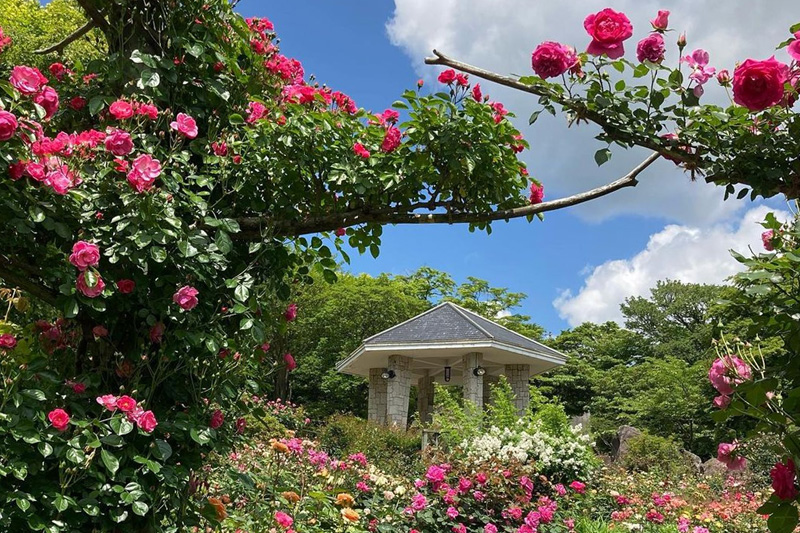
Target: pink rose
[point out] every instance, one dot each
(109, 401)
(767, 238)
(390, 116)
(8, 341)
(126, 286)
(255, 111)
(283, 519)
(783, 475)
(241, 424)
(578, 487)
(537, 193)
(552, 59)
(391, 140)
(291, 312)
(722, 401)
(340, 232)
(794, 47)
(186, 297)
(48, 99)
(758, 85)
(143, 172)
(608, 29)
(119, 142)
(724, 77)
(291, 364)
(35, 170)
(126, 404)
(447, 77)
(726, 453)
(147, 110)
(219, 148)
(651, 48)
(58, 70)
(8, 125)
(59, 418)
(84, 255)
(216, 420)
(93, 291)
(490, 528)
(185, 125)
(661, 21)
(27, 80)
(728, 371)
(61, 179)
(147, 421)
(121, 110)
(359, 149)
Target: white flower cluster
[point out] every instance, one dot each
(567, 455)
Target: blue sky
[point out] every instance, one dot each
(346, 45)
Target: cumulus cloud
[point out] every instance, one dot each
(500, 35)
(684, 253)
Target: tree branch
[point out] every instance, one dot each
(72, 37)
(26, 283)
(252, 226)
(94, 14)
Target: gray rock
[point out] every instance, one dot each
(714, 467)
(694, 461)
(619, 447)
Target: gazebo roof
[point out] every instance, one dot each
(440, 336)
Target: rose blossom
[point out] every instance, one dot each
(86, 290)
(59, 418)
(651, 48)
(291, 312)
(359, 150)
(61, 179)
(84, 255)
(291, 364)
(608, 29)
(7, 341)
(766, 239)
(100, 331)
(77, 103)
(727, 371)
(551, 59)
(477, 95)
(794, 47)
(391, 140)
(758, 85)
(726, 453)
(109, 401)
(186, 297)
(537, 193)
(447, 76)
(78, 388)
(48, 99)
(783, 475)
(722, 401)
(121, 110)
(283, 519)
(157, 333)
(185, 125)
(126, 404)
(27, 80)
(16, 170)
(143, 173)
(217, 419)
(578, 487)
(119, 142)
(147, 110)
(661, 21)
(8, 125)
(126, 286)
(147, 421)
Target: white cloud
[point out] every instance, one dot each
(684, 253)
(499, 35)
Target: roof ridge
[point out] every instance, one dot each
(460, 310)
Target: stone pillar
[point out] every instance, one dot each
(425, 398)
(488, 382)
(376, 408)
(473, 385)
(519, 377)
(397, 391)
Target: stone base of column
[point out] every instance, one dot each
(425, 398)
(519, 377)
(376, 406)
(473, 385)
(397, 391)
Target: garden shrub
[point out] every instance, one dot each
(652, 453)
(396, 451)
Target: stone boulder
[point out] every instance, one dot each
(619, 446)
(694, 461)
(714, 467)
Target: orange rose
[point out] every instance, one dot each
(291, 496)
(278, 446)
(219, 508)
(350, 514)
(345, 500)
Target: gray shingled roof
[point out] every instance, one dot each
(449, 322)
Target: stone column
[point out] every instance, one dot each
(519, 377)
(488, 381)
(425, 397)
(473, 385)
(397, 391)
(376, 408)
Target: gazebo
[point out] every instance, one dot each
(449, 345)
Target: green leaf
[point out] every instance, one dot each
(245, 323)
(96, 104)
(60, 503)
(121, 425)
(111, 462)
(36, 394)
(784, 519)
(140, 508)
(200, 437)
(45, 449)
(75, 455)
(235, 119)
(534, 116)
(149, 78)
(602, 156)
(23, 504)
(159, 254)
(162, 450)
(223, 242)
(242, 293)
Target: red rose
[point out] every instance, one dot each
(551, 59)
(7, 341)
(16, 170)
(59, 418)
(100, 331)
(8, 125)
(126, 286)
(126, 403)
(58, 70)
(217, 419)
(608, 28)
(79, 388)
(537, 193)
(77, 103)
(448, 76)
(758, 85)
(121, 110)
(783, 475)
(157, 333)
(359, 149)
